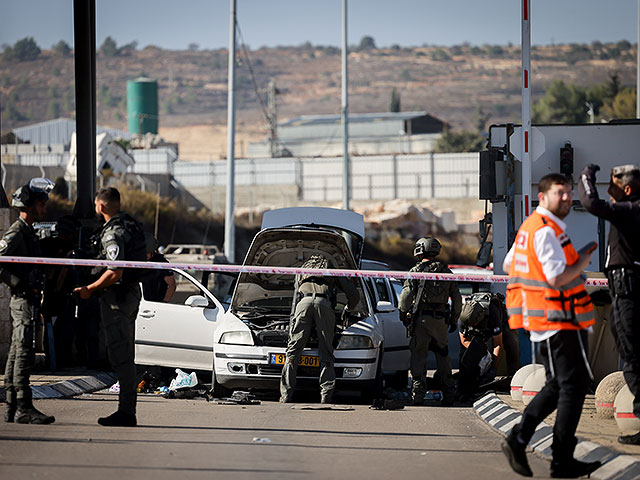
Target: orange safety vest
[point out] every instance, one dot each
(534, 304)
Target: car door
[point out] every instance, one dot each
(396, 343)
(178, 333)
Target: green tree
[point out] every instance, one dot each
(23, 50)
(109, 48)
(394, 104)
(53, 109)
(62, 48)
(457, 142)
(367, 43)
(439, 55)
(561, 104)
(67, 100)
(623, 105)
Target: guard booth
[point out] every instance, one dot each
(565, 149)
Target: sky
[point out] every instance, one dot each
(173, 24)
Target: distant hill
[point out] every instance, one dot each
(450, 83)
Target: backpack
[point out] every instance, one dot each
(135, 248)
(476, 308)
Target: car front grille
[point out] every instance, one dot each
(301, 372)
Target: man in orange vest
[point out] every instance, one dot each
(546, 296)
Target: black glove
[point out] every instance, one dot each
(452, 327)
(405, 318)
(592, 167)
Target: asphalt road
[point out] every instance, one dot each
(196, 439)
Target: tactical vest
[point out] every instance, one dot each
(534, 304)
(135, 248)
(476, 308)
(317, 262)
(434, 291)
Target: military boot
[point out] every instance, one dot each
(10, 409)
(27, 413)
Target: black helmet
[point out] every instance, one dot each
(427, 246)
(37, 189)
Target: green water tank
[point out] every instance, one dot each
(142, 105)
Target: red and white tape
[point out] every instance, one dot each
(76, 262)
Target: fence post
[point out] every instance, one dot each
(370, 187)
(433, 174)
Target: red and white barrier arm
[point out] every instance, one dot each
(76, 262)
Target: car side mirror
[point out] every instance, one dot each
(197, 301)
(385, 307)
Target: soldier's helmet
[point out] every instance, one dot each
(28, 194)
(427, 246)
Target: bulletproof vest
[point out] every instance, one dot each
(434, 291)
(135, 248)
(315, 261)
(29, 246)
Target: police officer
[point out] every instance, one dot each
(26, 283)
(315, 308)
(157, 285)
(121, 238)
(622, 265)
(423, 308)
(480, 328)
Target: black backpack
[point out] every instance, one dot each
(476, 308)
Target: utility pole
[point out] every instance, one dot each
(229, 225)
(526, 108)
(344, 110)
(272, 117)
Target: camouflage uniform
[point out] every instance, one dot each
(429, 326)
(26, 282)
(119, 308)
(315, 308)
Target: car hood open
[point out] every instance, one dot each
(287, 247)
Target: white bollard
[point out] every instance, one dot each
(606, 393)
(533, 384)
(623, 405)
(518, 380)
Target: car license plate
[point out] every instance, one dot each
(305, 360)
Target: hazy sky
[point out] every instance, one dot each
(174, 24)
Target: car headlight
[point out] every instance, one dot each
(237, 338)
(350, 342)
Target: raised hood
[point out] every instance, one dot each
(286, 247)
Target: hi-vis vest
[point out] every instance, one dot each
(531, 302)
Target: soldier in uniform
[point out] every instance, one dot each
(429, 320)
(26, 283)
(119, 296)
(315, 308)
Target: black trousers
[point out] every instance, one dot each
(567, 383)
(625, 326)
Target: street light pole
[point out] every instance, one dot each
(344, 110)
(229, 225)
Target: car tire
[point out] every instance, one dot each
(374, 388)
(217, 389)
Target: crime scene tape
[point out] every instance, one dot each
(333, 272)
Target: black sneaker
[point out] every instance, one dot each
(517, 456)
(573, 468)
(119, 419)
(630, 439)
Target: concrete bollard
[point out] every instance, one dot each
(518, 380)
(623, 405)
(533, 384)
(606, 393)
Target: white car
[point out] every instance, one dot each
(250, 341)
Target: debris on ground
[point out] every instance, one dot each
(323, 406)
(239, 398)
(261, 440)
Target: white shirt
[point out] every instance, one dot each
(551, 256)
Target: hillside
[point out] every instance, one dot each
(450, 83)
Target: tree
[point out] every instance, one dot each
(23, 50)
(622, 106)
(367, 43)
(394, 104)
(109, 48)
(561, 104)
(53, 110)
(439, 55)
(62, 48)
(193, 47)
(457, 142)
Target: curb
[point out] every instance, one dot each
(501, 417)
(71, 388)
